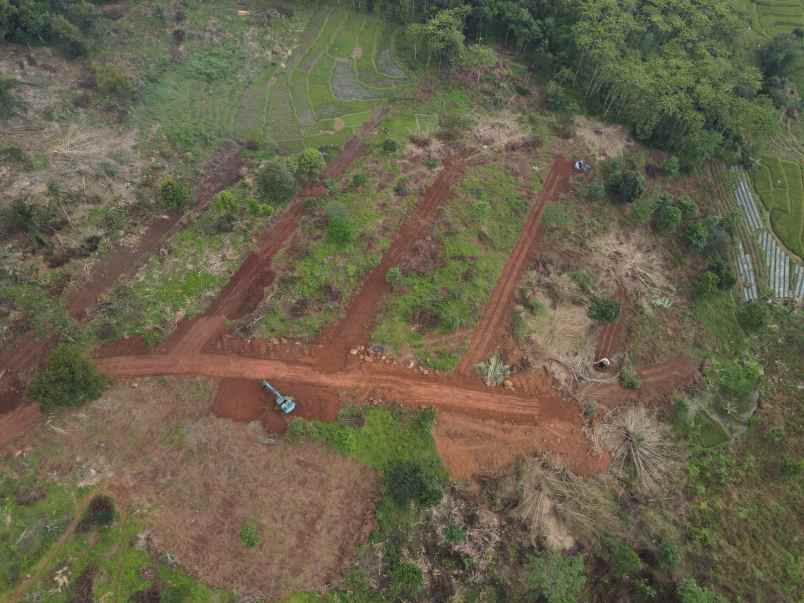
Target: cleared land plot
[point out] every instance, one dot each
(201, 481)
(196, 263)
(441, 288)
(781, 189)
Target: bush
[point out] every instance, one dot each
(690, 592)
(624, 179)
(668, 216)
(407, 582)
(9, 103)
(407, 481)
(557, 100)
(688, 207)
(622, 557)
(394, 276)
(68, 379)
(556, 577)
(671, 166)
(111, 81)
(68, 36)
(389, 145)
(99, 513)
(358, 180)
(628, 377)
(340, 229)
(309, 164)
(706, 284)
(595, 189)
(739, 377)
(752, 316)
(275, 183)
(604, 309)
(697, 236)
(174, 194)
(643, 209)
(668, 556)
(249, 535)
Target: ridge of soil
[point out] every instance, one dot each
(497, 313)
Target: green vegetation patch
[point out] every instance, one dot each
(198, 261)
(338, 245)
(473, 239)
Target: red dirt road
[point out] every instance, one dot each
(497, 312)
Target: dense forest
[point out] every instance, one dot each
(674, 71)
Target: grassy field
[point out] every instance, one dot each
(474, 236)
(781, 189)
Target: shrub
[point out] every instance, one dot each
(557, 100)
(688, 207)
(556, 577)
(68, 36)
(624, 179)
(68, 379)
(402, 188)
(389, 145)
(739, 377)
(9, 103)
(407, 582)
(622, 557)
(706, 284)
(275, 183)
(173, 193)
(309, 164)
(14, 154)
(394, 276)
(668, 216)
(643, 209)
(454, 534)
(697, 236)
(752, 316)
(595, 189)
(99, 513)
(249, 535)
(690, 592)
(111, 81)
(628, 377)
(671, 166)
(726, 279)
(604, 309)
(358, 180)
(407, 481)
(340, 229)
(668, 555)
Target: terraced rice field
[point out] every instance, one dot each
(781, 190)
(330, 83)
(309, 80)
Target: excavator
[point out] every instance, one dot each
(285, 403)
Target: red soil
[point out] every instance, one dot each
(495, 318)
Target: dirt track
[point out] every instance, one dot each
(497, 312)
(606, 343)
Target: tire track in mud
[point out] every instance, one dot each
(496, 314)
(355, 327)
